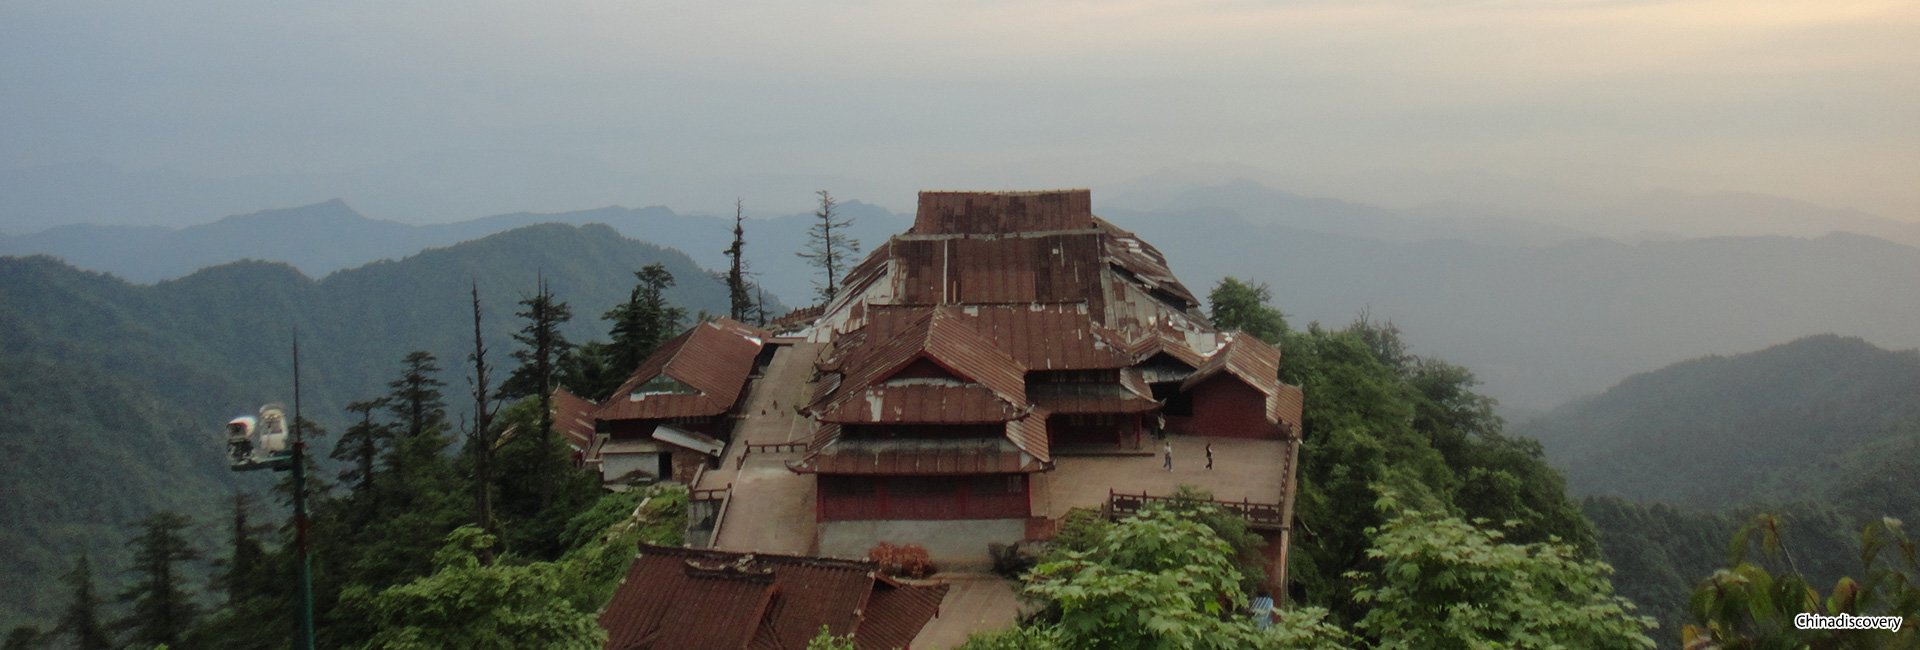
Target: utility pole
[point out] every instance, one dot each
(303, 553)
(246, 457)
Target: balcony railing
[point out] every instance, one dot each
(1259, 516)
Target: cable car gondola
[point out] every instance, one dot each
(269, 449)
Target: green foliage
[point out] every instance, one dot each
(640, 324)
(664, 516)
(1720, 432)
(1381, 419)
(1155, 580)
(1440, 582)
(468, 605)
(362, 444)
(24, 637)
(416, 398)
(1159, 579)
(162, 610)
(1241, 305)
(825, 640)
(1016, 638)
(1195, 504)
(82, 623)
(542, 344)
(1749, 606)
(113, 390)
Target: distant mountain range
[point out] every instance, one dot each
(1543, 324)
(1822, 432)
(1809, 420)
(114, 393)
(326, 237)
(1543, 313)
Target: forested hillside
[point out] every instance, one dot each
(1723, 431)
(115, 392)
(1823, 432)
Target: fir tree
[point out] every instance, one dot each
(361, 444)
(416, 398)
(643, 322)
(542, 348)
(25, 637)
(247, 558)
(829, 246)
(162, 610)
(81, 622)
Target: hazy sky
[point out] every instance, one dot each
(435, 110)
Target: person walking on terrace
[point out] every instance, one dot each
(1169, 451)
(1209, 456)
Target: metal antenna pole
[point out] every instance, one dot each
(305, 632)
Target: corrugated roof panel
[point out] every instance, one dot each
(713, 358)
(690, 599)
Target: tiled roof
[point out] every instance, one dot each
(713, 358)
(906, 336)
(687, 599)
(573, 418)
(1258, 365)
(922, 404)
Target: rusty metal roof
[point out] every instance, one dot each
(1257, 364)
(1144, 262)
(1078, 399)
(676, 598)
(1002, 212)
(1062, 267)
(906, 336)
(1048, 337)
(713, 358)
(922, 403)
(573, 418)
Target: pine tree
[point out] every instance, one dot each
(542, 347)
(739, 299)
(416, 398)
(361, 444)
(244, 563)
(829, 246)
(644, 321)
(162, 609)
(81, 621)
(25, 637)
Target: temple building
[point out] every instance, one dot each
(1008, 358)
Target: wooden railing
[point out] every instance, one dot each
(710, 493)
(1261, 516)
(768, 448)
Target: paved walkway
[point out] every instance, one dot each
(975, 602)
(770, 508)
(1242, 469)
